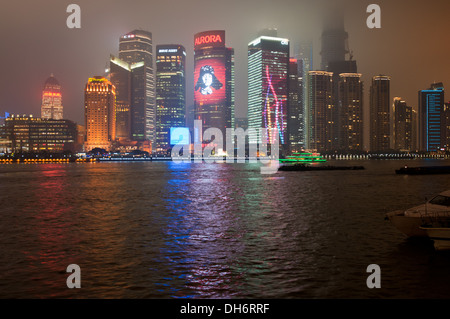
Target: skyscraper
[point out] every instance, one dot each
(213, 81)
(305, 63)
(334, 59)
(136, 49)
(120, 76)
(295, 105)
(402, 128)
(170, 92)
(268, 68)
(319, 110)
(380, 113)
(431, 106)
(446, 126)
(52, 100)
(334, 39)
(100, 113)
(350, 97)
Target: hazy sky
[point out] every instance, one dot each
(411, 46)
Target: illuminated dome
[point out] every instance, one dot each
(52, 84)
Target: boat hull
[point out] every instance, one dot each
(440, 237)
(410, 226)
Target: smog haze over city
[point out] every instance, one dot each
(408, 47)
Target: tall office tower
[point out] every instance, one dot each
(295, 106)
(120, 76)
(334, 39)
(170, 92)
(320, 107)
(402, 126)
(136, 49)
(334, 59)
(446, 126)
(350, 96)
(213, 81)
(431, 105)
(51, 100)
(380, 113)
(415, 130)
(305, 58)
(100, 113)
(268, 68)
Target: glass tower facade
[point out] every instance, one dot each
(431, 107)
(135, 48)
(268, 69)
(170, 92)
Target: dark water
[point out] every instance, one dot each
(164, 230)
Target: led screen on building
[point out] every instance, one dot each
(210, 81)
(179, 136)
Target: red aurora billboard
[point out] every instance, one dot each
(210, 81)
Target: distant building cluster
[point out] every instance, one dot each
(142, 98)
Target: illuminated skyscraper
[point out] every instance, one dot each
(100, 113)
(170, 92)
(213, 81)
(295, 105)
(380, 114)
(350, 99)
(268, 68)
(135, 48)
(446, 126)
(305, 62)
(120, 76)
(320, 108)
(431, 107)
(52, 100)
(402, 128)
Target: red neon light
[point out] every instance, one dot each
(208, 39)
(52, 94)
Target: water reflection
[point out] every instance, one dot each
(162, 230)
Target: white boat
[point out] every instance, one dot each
(410, 221)
(439, 235)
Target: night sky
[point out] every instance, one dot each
(411, 46)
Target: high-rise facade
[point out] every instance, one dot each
(334, 40)
(319, 110)
(268, 69)
(120, 76)
(52, 100)
(136, 48)
(402, 125)
(350, 99)
(100, 113)
(213, 81)
(305, 63)
(295, 105)
(170, 92)
(380, 114)
(431, 106)
(446, 126)
(334, 59)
